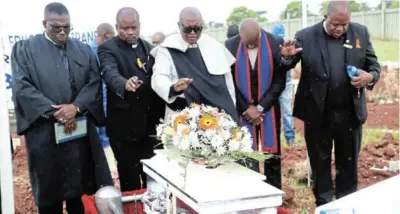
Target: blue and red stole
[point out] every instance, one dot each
(265, 68)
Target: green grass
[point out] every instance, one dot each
(386, 50)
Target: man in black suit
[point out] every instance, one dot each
(259, 78)
(330, 103)
(133, 109)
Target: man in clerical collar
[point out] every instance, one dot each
(133, 109)
(331, 101)
(56, 86)
(104, 31)
(194, 68)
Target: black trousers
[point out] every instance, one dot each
(345, 131)
(74, 206)
(272, 166)
(128, 156)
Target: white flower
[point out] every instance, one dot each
(217, 141)
(234, 145)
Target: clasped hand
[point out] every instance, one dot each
(182, 84)
(66, 114)
(253, 115)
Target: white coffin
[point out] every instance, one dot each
(227, 189)
(380, 198)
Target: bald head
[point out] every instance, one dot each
(104, 31)
(190, 12)
(105, 28)
(338, 7)
(338, 18)
(249, 31)
(157, 38)
(127, 12)
(190, 24)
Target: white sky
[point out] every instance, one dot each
(24, 16)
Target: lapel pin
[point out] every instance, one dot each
(348, 46)
(358, 43)
(347, 41)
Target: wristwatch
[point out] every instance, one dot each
(260, 108)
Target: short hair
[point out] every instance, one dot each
(104, 28)
(160, 34)
(233, 30)
(56, 8)
(341, 7)
(190, 11)
(126, 9)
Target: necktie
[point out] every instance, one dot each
(64, 59)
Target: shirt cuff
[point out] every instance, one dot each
(173, 93)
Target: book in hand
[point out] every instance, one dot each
(81, 131)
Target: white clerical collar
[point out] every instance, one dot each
(326, 30)
(193, 46)
(48, 38)
(134, 45)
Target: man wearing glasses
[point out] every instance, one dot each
(58, 103)
(133, 109)
(194, 68)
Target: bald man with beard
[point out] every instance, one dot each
(260, 78)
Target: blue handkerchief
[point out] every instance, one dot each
(81, 131)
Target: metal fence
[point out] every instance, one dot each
(382, 24)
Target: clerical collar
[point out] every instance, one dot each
(193, 46)
(48, 38)
(134, 45)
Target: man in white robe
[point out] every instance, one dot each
(194, 68)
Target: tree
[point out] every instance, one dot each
(389, 5)
(240, 13)
(354, 7)
(294, 10)
(364, 6)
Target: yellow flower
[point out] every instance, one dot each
(179, 120)
(194, 105)
(207, 122)
(237, 135)
(183, 129)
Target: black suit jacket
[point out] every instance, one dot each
(131, 116)
(310, 97)
(271, 97)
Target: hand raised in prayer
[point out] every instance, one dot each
(364, 79)
(182, 84)
(132, 84)
(70, 126)
(65, 112)
(289, 49)
(253, 115)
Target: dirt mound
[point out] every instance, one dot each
(24, 202)
(294, 167)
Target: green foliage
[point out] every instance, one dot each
(240, 13)
(294, 10)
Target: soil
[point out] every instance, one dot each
(382, 116)
(298, 199)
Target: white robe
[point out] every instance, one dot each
(216, 56)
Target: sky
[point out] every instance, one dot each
(25, 16)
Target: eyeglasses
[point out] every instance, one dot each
(189, 29)
(58, 28)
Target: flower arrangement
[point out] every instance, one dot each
(204, 132)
